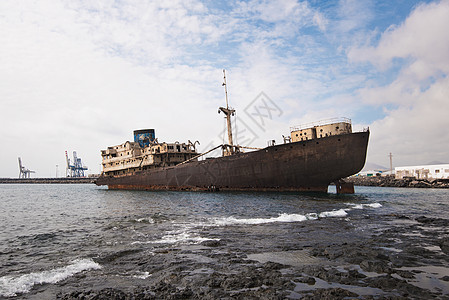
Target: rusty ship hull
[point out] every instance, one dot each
(298, 166)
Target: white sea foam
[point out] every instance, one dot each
(12, 285)
(374, 205)
(182, 237)
(334, 213)
(187, 235)
(286, 218)
(142, 275)
(363, 206)
(145, 220)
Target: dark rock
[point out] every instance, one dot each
(212, 243)
(307, 279)
(433, 221)
(405, 274)
(389, 283)
(331, 294)
(444, 245)
(273, 266)
(375, 266)
(390, 181)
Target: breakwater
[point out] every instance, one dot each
(390, 181)
(60, 180)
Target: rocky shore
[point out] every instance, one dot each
(399, 258)
(390, 181)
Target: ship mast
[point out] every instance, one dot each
(228, 112)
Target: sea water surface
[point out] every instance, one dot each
(49, 233)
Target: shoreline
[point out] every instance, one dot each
(61, 180)
(379, 181)
(390, 181)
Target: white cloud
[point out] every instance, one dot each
(282, 18)
(83, 75)
(421, 37)
(418, 97)
(354, 14)
(70, 80)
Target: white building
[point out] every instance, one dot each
(370, 173)
(423, 172)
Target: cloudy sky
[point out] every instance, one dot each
(82, 75)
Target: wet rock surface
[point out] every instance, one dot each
(397, 258)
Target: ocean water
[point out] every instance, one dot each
(52, 233)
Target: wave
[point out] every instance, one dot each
(187, 235)
(284, 217)
(363, 206)
(12, 285)
(145, 220)
(335, 213)
(142, 275)
(183, 237)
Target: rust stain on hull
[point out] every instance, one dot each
(299, 166)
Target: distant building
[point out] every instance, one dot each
(423, 172)
(370, 173)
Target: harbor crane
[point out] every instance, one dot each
(24, 172)
(76, 168)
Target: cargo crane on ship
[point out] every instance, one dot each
(228, 149)
(24, 172)
(75, 169)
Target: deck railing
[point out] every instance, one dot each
(320, 123)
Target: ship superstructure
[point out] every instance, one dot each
(321, 129)
(144, 153)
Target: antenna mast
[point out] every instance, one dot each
(228, 112)
(391, 163)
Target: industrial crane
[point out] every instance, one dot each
(76, 169)
(24, 172)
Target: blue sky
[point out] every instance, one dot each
(77, 75)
